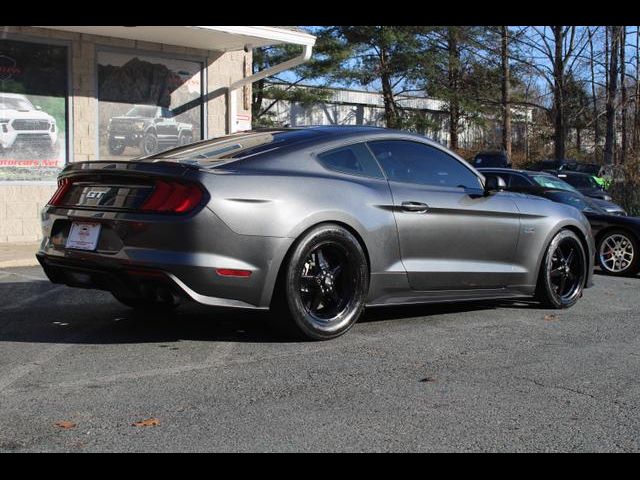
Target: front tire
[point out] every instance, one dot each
(324, 285)
(618, 254)
(563, 272)
(149, 143)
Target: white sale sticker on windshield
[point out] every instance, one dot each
(83, 235)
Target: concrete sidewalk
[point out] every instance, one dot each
(18, 254)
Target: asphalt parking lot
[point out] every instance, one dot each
(491, 376)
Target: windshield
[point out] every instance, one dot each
(549, 181)
(142, 111)
(578, 201)
(579, 181)
(15, 103)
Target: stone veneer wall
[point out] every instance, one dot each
(20, 203)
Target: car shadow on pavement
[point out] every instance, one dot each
(90, 317)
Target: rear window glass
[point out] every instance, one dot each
(354, 159)
(236, 146)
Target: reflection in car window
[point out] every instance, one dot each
(413, 162)
(351, 159)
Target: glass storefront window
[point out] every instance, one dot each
(33, 110)
(147, 104)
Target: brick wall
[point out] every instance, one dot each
(20, 204)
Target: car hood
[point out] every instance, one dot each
(593, 192)
(26, 114)
(631, 222)
(608, 206)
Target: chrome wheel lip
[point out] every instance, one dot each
(616, 253)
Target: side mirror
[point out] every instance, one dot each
(38, 107)
(494, 183)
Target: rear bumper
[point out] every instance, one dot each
(138, 254)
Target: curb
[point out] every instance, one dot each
(20, 262)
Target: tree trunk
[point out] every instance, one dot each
(454, 66)
(636, 113)
(390, 108)
(612, 76)
(558, 94)
(596, 121)
(623, 95)
(506, 84)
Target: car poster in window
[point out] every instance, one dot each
(33, 110)
(147, 104)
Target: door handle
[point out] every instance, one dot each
(416, 207)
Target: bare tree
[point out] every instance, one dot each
(623, 94)
(612, 89)
(555, 53)
(506, 86)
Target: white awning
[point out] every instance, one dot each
(225, 38)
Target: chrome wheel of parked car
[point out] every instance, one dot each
(326, 283)
(563, 271)
(617, 253)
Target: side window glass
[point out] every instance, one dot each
(413, 162)
(518, 181)
(355, 159)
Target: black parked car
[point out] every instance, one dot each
(593, 169)
(551, 164)
(525, 178)
(584, 183)
(492, 158)
(617, 238)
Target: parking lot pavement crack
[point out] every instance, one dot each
(560, 387)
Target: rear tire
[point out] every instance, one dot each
(563, 272)
(323, 285)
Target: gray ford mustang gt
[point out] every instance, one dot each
(314, 223)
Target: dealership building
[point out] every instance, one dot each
(70, 94)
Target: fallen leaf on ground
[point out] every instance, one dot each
(149, 422)
(550, 317)
(66, 425)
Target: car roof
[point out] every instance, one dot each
(243, 144)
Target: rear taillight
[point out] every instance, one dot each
(173, 197)
(63, 187)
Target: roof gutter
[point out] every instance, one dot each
(232, 100)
